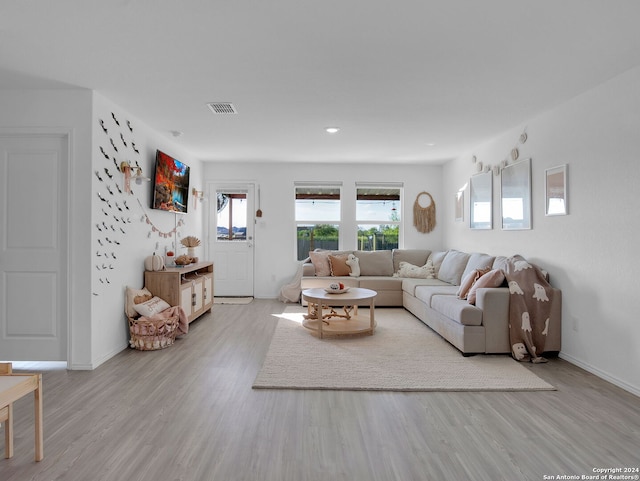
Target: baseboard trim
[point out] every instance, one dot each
(601, 374)
(97, 362)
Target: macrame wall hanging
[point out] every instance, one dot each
(424, 218)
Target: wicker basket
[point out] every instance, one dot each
(150, 334)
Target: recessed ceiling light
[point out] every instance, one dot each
(430, 144)
(332, 130)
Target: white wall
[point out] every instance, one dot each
(275, 262)
(110, 330)
(96, 315)
(591, 254)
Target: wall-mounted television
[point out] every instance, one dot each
(170, 184)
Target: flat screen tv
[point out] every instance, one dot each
(170, 184)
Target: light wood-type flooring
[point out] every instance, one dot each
(188, 413)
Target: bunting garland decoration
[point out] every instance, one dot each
(164, 234)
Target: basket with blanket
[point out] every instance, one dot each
(153, 323)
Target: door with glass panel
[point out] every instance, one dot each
(231, 240)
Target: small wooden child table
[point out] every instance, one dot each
(12, 388)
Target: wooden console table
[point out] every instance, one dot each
(12, 388)
(190, 287)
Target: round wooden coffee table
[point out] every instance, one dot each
(324, 319)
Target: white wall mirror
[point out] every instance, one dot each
(515, 195)
(555, 188)
(480, 201)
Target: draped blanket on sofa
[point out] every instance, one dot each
(529, 309)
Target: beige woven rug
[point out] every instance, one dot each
(402, 355)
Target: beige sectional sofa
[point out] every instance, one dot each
(479, 328)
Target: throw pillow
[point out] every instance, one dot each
(130, 295)
(153, 306)
(416, 272)
(469, 280)
(338, 265)
(493, 278)
(320, 261)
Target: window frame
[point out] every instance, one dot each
(380, 222)
(317, 221)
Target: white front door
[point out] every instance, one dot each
(33, 247)
(231, 238)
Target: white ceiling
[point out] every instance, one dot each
(395, 76)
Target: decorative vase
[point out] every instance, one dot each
(191, 252)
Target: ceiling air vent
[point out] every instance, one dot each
(222, 108)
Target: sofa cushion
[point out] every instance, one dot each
(478, 261)
(500, 263)
(453, 266)
(417, 272)
(381, 283)
(427, 293)
(494, 278)
(375, 263)
(417, 257)
(436, 258)
(457, 310)
(338, 265)
(410, 285)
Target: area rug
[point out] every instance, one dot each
(402, 355)
(232, 300)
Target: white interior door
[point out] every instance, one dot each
(231, 238)
(33, 247)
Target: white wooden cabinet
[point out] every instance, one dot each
(190, 287)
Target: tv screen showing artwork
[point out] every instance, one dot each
(171, 184)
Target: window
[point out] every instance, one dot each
(232, 217)
(317, 218)
(378, 215)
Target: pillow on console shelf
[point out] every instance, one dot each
(494, 278)
(153, 306)
(338, 265)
